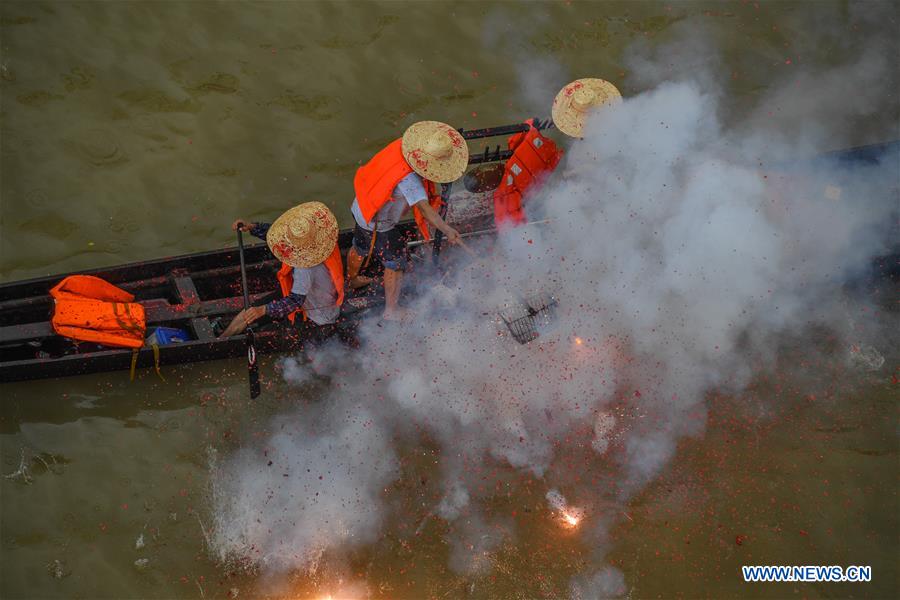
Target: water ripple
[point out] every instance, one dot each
(98, 147)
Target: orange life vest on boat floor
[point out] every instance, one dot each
(375, 181)
(89, 309)
(335, 269)
(534, 158)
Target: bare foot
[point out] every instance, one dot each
(360, 281)
(398, 314)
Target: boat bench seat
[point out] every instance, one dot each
(24, 333)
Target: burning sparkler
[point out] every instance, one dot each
(342, 590)
(338, 596)
(571, 516)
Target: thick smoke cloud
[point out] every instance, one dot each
(679, 253)
(312, 486)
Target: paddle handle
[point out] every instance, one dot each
(252, 366)
(240, 240)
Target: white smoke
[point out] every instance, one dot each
(608, 582)
(312, 487)
(679, 254)
(556, 500)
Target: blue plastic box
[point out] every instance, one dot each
(166, 335)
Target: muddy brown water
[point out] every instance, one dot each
(135, 130)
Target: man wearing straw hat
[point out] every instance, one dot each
(311, 277)
(402, 175)
(535, 156)
(580, 99)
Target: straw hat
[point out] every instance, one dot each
(435, 150)
(304, 236)
(575, 102)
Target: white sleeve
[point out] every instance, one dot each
(412, 189)
(302, 282)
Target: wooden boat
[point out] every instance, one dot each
(199, 292)
(192, 292)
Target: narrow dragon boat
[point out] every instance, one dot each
(200, 293)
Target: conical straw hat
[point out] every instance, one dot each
(304, 236)
(435, 150)
(577, 100)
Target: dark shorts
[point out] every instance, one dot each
(390, 247)
(314, 335)
(309, 334)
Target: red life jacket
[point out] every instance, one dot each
(335, 269)
(375, 181)
(534, 157)
(88, 309)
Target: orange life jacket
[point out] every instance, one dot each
(335, 269)
(375, 181)
(89, 309)
(534, 157)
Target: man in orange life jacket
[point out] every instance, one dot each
(401, 176)
(304, 239)
(536, 156)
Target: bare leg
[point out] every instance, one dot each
(354, 263)
(392, 283)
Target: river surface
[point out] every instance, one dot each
(133, 130)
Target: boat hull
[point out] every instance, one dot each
(197, 292)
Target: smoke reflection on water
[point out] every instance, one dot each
(679, 267)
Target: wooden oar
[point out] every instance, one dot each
(252, 366)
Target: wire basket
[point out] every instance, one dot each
(525, 319)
